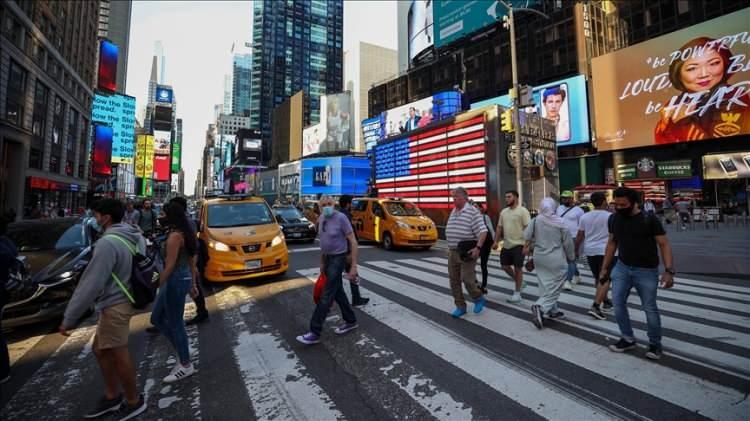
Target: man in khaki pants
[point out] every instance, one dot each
(464, 224)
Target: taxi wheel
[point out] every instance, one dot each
(387, 241)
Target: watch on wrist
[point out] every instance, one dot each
(670, 271)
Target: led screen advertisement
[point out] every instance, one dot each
(144, 157)
(565, 102)
(161, 168)
(689, 85)
(424, 168)
(420, 113)
(102, 150)
(420, 27)
(162, 142)
(336, 118)
(164, 94)
(118, 112)
(334, 176)
(726, 165)
(107, 73)
(371, 132)
(312, 137)
(176, 157)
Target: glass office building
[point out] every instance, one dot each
(297, 46)
(241, 68)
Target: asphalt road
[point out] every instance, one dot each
(409, 359)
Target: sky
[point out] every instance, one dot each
(197, 38)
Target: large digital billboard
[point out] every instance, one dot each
(420, 113)
(335, 175)
(161, 168)
(371, 132)
(118, 112)
(312, 137)
(107, 74)
(164, 94)
(162, 142)
(144, 156)
(176, 156)
(336, 117)
(102, 150)
(726, 165)
(424, 168)
(420, 27)
(689, 85)
(565, 102)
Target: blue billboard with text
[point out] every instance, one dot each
(335, 175)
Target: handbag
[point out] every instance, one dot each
(529, 266)
(464, 247)
(320, 284)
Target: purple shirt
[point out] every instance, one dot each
(332, 232)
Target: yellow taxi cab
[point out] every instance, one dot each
(393, 223)
(243, 239)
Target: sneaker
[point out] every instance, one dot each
(484, 290)
(523, 285)
(179, 373)
(104, 406)
(515, 298)
(596, 312)
(360, 302)
(309, 338)
(153, 330)
(128, 412)
(568, 286)
(537, 318)
(479, 305)
(346, 327)
(622, 346)
(458, 312)
(607, 306)
(556, 315)
(577, 280)
(654, 352)
(199, 318)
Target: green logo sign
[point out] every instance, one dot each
(674, 169)
(627, 172)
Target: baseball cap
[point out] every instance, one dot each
(566, 193)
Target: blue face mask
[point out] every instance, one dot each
(95, 226)
(327, 211)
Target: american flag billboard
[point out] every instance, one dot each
(424, 167)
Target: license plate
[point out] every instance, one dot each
(296, 235)
(422, 237)
(252, 264)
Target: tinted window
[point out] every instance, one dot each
(288, 213)
(238, 215)
(359, 205)
(402, 209)
(73, 237)
(40, 235)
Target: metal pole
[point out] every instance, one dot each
(516, 111)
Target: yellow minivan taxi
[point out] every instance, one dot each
(393, 223)
(243, 239)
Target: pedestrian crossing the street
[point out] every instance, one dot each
(410, 359)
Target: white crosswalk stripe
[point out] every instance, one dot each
(703, 334)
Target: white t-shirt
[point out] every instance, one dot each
(571, 218)
(595, 228)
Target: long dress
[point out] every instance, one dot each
(553, 248)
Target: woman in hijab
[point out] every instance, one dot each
(550, 243)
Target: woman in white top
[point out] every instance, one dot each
(486, 246)
(551, 244)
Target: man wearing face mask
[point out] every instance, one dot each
(97, 286)
(635, 236)
(335, 233)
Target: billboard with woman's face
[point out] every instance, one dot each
(690, 85)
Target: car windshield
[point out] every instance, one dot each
(402, 209)
(227, 215)
(288, 213)
(47, 234)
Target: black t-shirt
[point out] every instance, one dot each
(635, 236)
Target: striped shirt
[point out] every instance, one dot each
(463, 225)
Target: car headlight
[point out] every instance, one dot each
(402, 225)
(218, 245)
(277, 240)
(65, 275)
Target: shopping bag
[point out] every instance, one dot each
(319, 286)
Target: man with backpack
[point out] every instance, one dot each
(104, 284)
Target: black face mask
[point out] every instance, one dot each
(626, 212)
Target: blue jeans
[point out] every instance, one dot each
(334, 291)
(645, 281)
(169, 309)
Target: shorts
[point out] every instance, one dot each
(512, 256)
(113, 328)
(595, 264)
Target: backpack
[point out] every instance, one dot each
(144, 276)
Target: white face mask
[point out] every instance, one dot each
(327, 211)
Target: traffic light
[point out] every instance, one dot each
(506, 121)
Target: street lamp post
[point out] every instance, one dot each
(516, 103)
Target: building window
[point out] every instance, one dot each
(39, 123)
(72, 129)
(683, 6)
(69, 168)
(35, 158)
(57, 121)
(15, 94)
(54, 164)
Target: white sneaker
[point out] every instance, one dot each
(179, 373)
(568, 286)
(515, 298)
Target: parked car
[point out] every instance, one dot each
(393, 223)
(295, 226)
(56, 251)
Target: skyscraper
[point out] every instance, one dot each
(228, 94)
(296, 46)
(241, 67)
(114, 25)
